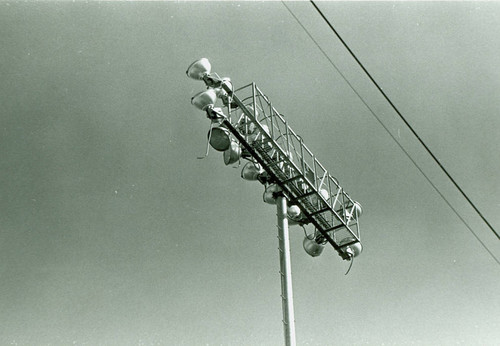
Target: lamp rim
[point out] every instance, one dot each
(200, 75)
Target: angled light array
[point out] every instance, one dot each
(246, 126)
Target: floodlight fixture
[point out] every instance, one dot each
(251, 171)
(232, 154)
(199, 69)
(351, 246)
(220, 138)
(295, 216)
(204, 99)
(357, 210)
(293, 211)
(312, 247)
(271, 193)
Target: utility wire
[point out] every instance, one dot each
(390, 134)
(406, 122)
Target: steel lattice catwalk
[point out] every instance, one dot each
(269, 141)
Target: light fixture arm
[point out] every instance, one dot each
(208, 142)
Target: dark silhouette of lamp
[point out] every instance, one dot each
(312, 247)
(270, 193)
(220, 138)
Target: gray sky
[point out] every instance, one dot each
(112, 232)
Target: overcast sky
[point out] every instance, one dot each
(113, 233)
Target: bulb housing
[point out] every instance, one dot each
(205, 99)
(293, 211)
(233, 154)
(199, 69)
(295, 216)
(251, 171)
(270, 194)
(312, 248)
(352, 250)
(220, 138)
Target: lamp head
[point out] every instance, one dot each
(293, 211)
(270, 193)
(357, 210)
(294, 215)
(312, 247)
(352, 250)
(233, 154)
(251, 171)
(220, 139)
(199, 69)
(204, 99)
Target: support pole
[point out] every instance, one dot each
(285, 272)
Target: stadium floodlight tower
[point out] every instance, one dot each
(247, 127)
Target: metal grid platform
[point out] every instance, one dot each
(269, 141)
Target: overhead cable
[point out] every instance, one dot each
(406, 122)
(391, 135)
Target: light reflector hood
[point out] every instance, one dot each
(204, 99)
(251, 171)
(220, 139)
(199, 69)
(312, 247)
(354, 249)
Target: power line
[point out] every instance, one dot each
(391, 135)
(406, 122)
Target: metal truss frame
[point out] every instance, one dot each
(270, 142)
